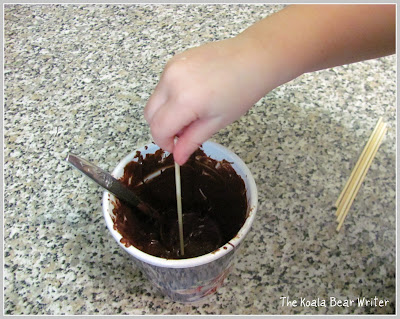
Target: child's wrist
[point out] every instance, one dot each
(269, 62)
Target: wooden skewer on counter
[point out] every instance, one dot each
(359, 172)
(356, 167)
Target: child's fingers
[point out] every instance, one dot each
(156, 100)
(193, 136)
(168, 121)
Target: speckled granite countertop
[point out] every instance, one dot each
(76, 80)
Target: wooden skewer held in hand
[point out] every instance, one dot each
(179, 203)
(359, 172)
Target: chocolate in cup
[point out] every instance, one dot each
(210, 254)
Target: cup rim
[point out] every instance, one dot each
(228, 155)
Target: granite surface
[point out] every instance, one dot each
(76, 79)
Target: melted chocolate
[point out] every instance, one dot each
(214, 205)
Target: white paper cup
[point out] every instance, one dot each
(191, 279)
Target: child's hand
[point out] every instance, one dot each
(206, 88)
(201, 91)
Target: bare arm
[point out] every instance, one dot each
(314, 37)
(206, 88)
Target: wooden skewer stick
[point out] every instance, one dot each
(179, 204)
(358, 172)
(380, 139)
(357, 176)
(358, 163)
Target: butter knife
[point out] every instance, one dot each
(110, 183)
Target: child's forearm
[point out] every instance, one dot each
(305, 38)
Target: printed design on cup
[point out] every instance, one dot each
(206, 288)
(189, 284)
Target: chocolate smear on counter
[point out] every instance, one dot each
(213, 199)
